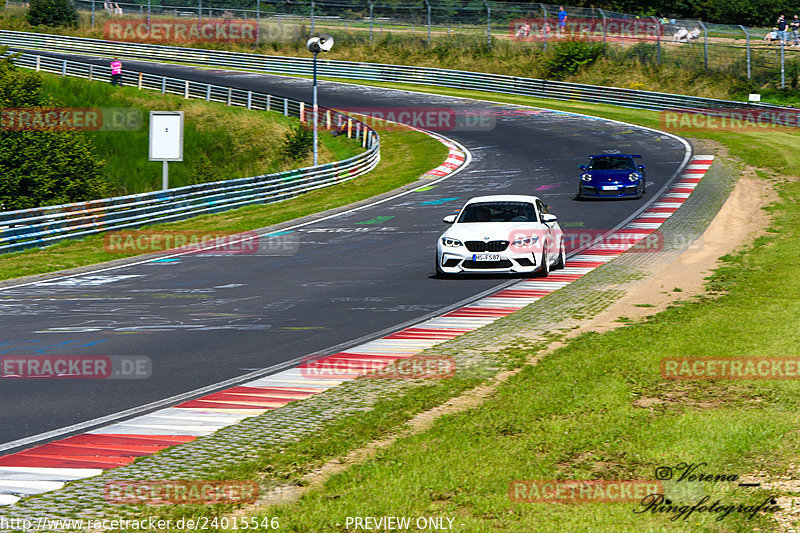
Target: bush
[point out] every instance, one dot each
(568, 57)
(298, 142)
(39, 168)
(52, 13)
(642, 52)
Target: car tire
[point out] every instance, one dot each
(544, 270)
(562, 258)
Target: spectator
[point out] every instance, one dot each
(523, 30)
(562, 20)
(107, 8)
(794, 25)
(117, 9)
(782, 29)
(116, 72)
(546, 29)
(771, 36)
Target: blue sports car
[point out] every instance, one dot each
(612, 176)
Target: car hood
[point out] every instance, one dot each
(610, 175)
(495, 231)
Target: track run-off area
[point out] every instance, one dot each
(226, 332)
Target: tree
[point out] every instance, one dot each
(52, 13)
(39, 168)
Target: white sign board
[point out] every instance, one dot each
(166, 135)
(755, 97)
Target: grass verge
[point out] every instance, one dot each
(220, 142)
(405, 156)
(594, 409)
(674, 68)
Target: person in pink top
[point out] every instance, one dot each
(116, 72)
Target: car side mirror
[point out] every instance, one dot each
(582, 167)
(641, 167)
(449, 219)
(549, 218)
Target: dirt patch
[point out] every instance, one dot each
(421, 422)
(737, 224)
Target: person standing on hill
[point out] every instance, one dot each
(562, 20)
(782, 29)
(116, 72)
(794, 25)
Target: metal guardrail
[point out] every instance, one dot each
(455, 79)
(29, 228)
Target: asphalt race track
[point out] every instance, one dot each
(206, 318)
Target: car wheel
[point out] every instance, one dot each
(544, 270)
(562, 258)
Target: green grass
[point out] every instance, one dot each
(220, 142)
(594, 409)
(581, 412)
(681, 71)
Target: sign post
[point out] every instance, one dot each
(166, 140)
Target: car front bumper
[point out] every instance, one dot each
(455, 261)
(597, 190)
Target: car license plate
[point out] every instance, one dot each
(486, 257)
(610, 187)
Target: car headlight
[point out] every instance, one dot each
(526, 241)
(586, 177)
(633, 176)
(454, 243)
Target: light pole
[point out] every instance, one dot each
(315, 45)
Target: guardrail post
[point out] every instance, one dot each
(783, 64)
(208, 92)
(544, 25)
(140, 81)
(488, 23)
(658, 40)
(64, 67)
(327, 119)
(91, 71)
(349, 128)
(705, 44)
(285, 107)
(603, 14)
(230, 94)
(163, 85)
(371, 20)
(38, 62)
(269, 102)
(302, 111)
(186, 90)
(249, 98)
(428, 4)
(747, 48)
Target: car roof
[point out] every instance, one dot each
(503, 198)
(614, 155)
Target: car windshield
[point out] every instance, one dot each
(612, 163)
(498, 212)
